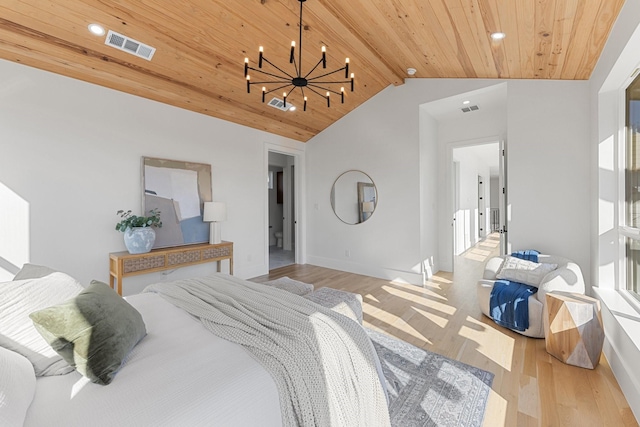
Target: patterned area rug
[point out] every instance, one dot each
(426, 389)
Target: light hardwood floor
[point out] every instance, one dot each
(530, 388)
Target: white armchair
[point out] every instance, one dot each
(567, 277)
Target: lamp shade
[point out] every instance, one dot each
(214, 211)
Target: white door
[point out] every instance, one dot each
(482, 211)
(459, 218)
(502, 195)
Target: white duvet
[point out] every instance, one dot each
(161, 382)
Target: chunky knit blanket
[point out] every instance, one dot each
(323, 363)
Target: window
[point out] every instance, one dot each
(632, 187)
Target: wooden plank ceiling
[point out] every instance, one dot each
(201, 46)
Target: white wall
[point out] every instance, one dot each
(548, 173)
(382, 138)
(70, 158)
(617, 63)
(429, 238)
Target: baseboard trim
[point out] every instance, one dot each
(621, 346)
(367, 270)
(252, 271)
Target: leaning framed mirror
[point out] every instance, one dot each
(354, 197)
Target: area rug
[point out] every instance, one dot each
(427, 389)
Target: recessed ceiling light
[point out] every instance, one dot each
(411, 71)
(292, 108)
(498, 36)
(466, 102)
(96, 29)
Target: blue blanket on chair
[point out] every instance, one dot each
(509, 304)
(529, 255)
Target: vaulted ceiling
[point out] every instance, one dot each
(201, 46)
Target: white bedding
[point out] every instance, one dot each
(161, 381)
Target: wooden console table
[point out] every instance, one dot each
(123, 264)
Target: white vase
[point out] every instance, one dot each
(139, 240)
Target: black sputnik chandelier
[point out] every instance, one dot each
(317, 83)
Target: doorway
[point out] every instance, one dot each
(478, 197)
(282, 207)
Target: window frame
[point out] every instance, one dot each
(625, 231)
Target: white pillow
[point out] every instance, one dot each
(17, 387)
(523, 271)
(18, 299)
(33, 271)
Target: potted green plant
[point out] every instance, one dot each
(139, 235)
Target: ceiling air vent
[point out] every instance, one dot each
(279, 104)
(472, 108)
(129, 45)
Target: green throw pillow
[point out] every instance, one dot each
(93, 332)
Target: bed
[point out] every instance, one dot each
(180, 373)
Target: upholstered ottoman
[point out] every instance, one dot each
(346, 303)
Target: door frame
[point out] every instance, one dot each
(299, 198)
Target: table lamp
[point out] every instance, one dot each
(214, 212)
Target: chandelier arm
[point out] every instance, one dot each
(327, 74)
(316, 92)
(271, 74)
(278, 88)
(329, 83)
(276, 67)
(314, 68)
(271, 82)
(291, 91)
(325, 89)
